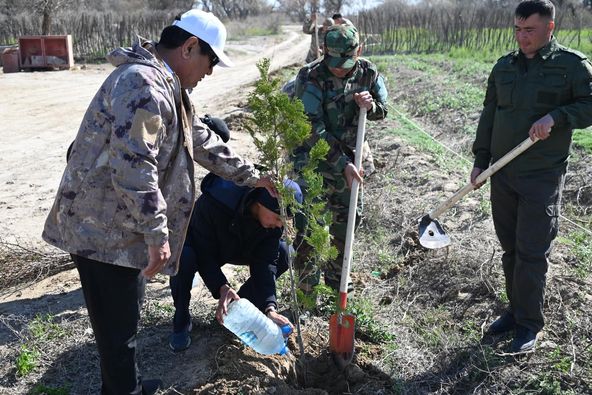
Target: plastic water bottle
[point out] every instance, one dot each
(195, 281)
(256, 330)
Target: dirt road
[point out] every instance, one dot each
(41, 112)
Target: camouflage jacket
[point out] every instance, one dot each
(129, 182)
(329, 103)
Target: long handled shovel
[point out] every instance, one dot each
(431, 233)
(341, 325)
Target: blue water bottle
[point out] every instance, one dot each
(256, 330)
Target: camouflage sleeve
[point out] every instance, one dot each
(212, 153)
(138, 129)
(482, 144)
(311, 96)
(380, 96)
(578, 113)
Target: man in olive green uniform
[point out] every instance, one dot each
(333, 89)
(544, 91)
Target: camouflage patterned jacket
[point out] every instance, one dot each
(129, 182)
(330, 106)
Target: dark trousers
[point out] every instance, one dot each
(113, 296)
(181, 283)
(525, 211)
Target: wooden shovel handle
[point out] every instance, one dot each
(351, 217)
(523, 146)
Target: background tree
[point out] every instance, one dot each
(235, 9)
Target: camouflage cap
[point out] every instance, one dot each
(341, 42)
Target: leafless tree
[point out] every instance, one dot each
(235, 9)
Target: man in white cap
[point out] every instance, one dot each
(127, 192)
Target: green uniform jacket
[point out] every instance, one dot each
(329, 103)
(558, 82)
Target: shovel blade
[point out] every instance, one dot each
(342, 328)
(431, 233)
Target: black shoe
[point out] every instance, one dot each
(149, 387)
(180, 341)
(524, 340)
(505, 323)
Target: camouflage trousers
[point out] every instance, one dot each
(309, 272)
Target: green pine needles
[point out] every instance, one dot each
(279, 125)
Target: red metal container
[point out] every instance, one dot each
(10, 60)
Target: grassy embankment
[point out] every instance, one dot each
(450, 94)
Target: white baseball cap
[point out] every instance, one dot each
(207, 27)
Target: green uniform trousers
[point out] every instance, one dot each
(525, 211)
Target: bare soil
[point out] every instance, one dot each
(420, 313)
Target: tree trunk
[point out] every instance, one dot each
(46, 23)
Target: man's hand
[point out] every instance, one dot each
(279, 319)
(541, 129)
(227, 295)
(351, 173)
(158, 256)
(364, 100)
(474, 174)
(265, 182)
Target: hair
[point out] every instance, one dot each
(173, 37)
(337, 16)
(530, 7)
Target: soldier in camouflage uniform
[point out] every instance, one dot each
(544, 91)
(126, 196)
(333, 90)
(309, 27)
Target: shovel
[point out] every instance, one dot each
(341, 325)
(431, 233)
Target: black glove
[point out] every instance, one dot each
(217, 126)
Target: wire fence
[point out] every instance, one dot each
(393, 28)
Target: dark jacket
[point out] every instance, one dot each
(222, 230)
(557, 81)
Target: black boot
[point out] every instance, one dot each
(505, 323)
(151, 386)
(524, 340)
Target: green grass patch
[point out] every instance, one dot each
(580, 40)
(155, 312)
(462, 96)
(409, 132)
(364, 310)
(259, 31)
(580, 244)
(40, 330)
(27, 360)
(43, 327)
(488, 43)
(583, 139)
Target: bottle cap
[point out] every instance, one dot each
(286, 330)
